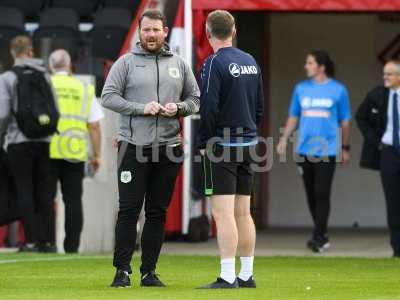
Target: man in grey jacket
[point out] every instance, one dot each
(150, 88)
(28, 158)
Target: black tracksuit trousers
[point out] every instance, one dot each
(317, 178)
(30, 164)
(70, 175)
(145, 175)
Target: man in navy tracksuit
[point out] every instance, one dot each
(231, 106)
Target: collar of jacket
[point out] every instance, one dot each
(138, 50)
(383, 99)
(34, 63)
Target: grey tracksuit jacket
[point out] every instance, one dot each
(140, 77)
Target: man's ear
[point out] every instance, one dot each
(31, 53)
(323, 68)
(166, 30)
(234, 33)
(208, 34)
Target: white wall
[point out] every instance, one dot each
(353, 41)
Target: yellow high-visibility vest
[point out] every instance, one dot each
(74, 102)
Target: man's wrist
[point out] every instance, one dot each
(138, 109)
(283, 139)
(178, 109)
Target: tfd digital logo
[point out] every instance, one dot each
(237, 70)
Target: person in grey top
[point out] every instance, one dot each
(28, 158)
(150, 88)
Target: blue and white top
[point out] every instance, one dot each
(320, 107)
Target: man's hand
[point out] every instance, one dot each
(153, 108)
(281, 148)
(345, 157)
(115, 142)
(95, 163)
(170, 110)
(202, 152)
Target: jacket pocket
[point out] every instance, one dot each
(144, 129)
(370, 155)
(374, 116)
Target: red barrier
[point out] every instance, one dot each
(298, 5)
(3, 235)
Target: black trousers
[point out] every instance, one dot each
(390, 176)
(144, 174)
(70, 175)
(30, 165)
(317, 176)
(8, 194)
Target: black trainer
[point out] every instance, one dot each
(319, 244)
(47, 248)
(221, 284)
(151, 280)
(121, 280)
(249, 283)
(28, 248)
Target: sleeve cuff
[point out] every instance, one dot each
(138, 109)
(179, 111)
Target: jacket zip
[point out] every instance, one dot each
(158, 94)
(130, 125)
(158, 100)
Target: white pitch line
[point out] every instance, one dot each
(22, 260)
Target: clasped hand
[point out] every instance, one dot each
(154, 108)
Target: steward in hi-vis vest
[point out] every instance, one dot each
(80, 116)
(74, 100)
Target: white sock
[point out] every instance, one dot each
(246, 267)
(228, 269)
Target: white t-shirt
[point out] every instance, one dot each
(387, 137)
(96, 111)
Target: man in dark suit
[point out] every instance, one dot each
(378, 119)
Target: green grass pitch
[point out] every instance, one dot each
(41, 277)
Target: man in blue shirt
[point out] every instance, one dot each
(231, 108)
(320, 109)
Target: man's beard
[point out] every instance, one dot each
(158, 45)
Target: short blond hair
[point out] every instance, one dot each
(220, 24)
(20, 45)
